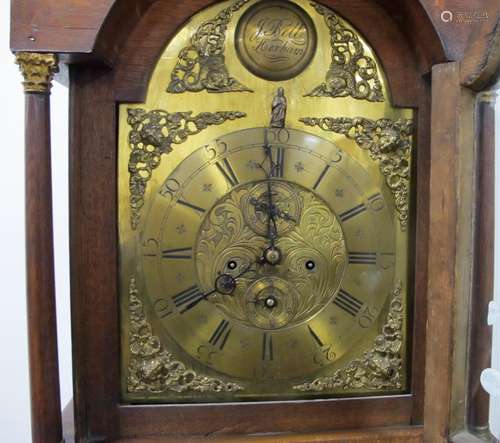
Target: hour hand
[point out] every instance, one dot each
(285, 216)
(260, 206)
(272, 209)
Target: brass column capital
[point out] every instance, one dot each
(38, 70)
(488, 96)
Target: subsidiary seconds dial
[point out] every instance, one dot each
(292, 240)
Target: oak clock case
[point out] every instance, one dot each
(264, 201)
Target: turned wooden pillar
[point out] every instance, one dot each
(38, 70)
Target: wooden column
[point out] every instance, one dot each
(451, 245)
(442, 244)
(482, 293)
(38, 70)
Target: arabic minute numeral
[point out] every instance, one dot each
(216, 149)
(376, 202)
(170, 188)
(281, 135)
(324, 355)
(367, 316)
(163, 307)
(387, 260)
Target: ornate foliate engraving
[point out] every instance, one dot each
(312, 233)
(38, 70)
(380, 367)
(152, 368)
(352, 72)
(201, 66)
(388, 142)
(153, 134)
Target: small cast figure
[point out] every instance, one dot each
(278, 112)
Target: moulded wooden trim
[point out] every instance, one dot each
(275, 417)
(71, 27)
(410, 434)
(481, 63)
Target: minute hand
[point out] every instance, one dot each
(272, 231)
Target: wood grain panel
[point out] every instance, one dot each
(93, 251)
(57, 25)
(241, 418)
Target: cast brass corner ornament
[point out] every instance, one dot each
(201, 66)
(388, 142)
(352, 72)
(152, 369)
(38, 70)
(380, 367)
(153, 134)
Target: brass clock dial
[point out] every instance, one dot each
(264, 225)
(291, 314)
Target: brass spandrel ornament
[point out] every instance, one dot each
(380, 367)
(268, 252)
(352, 72)
(152, 369)
(153, 133)
(201, 65)
(389, 144)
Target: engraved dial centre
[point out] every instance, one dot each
(308, 257)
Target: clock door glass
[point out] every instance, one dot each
(264, 224)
